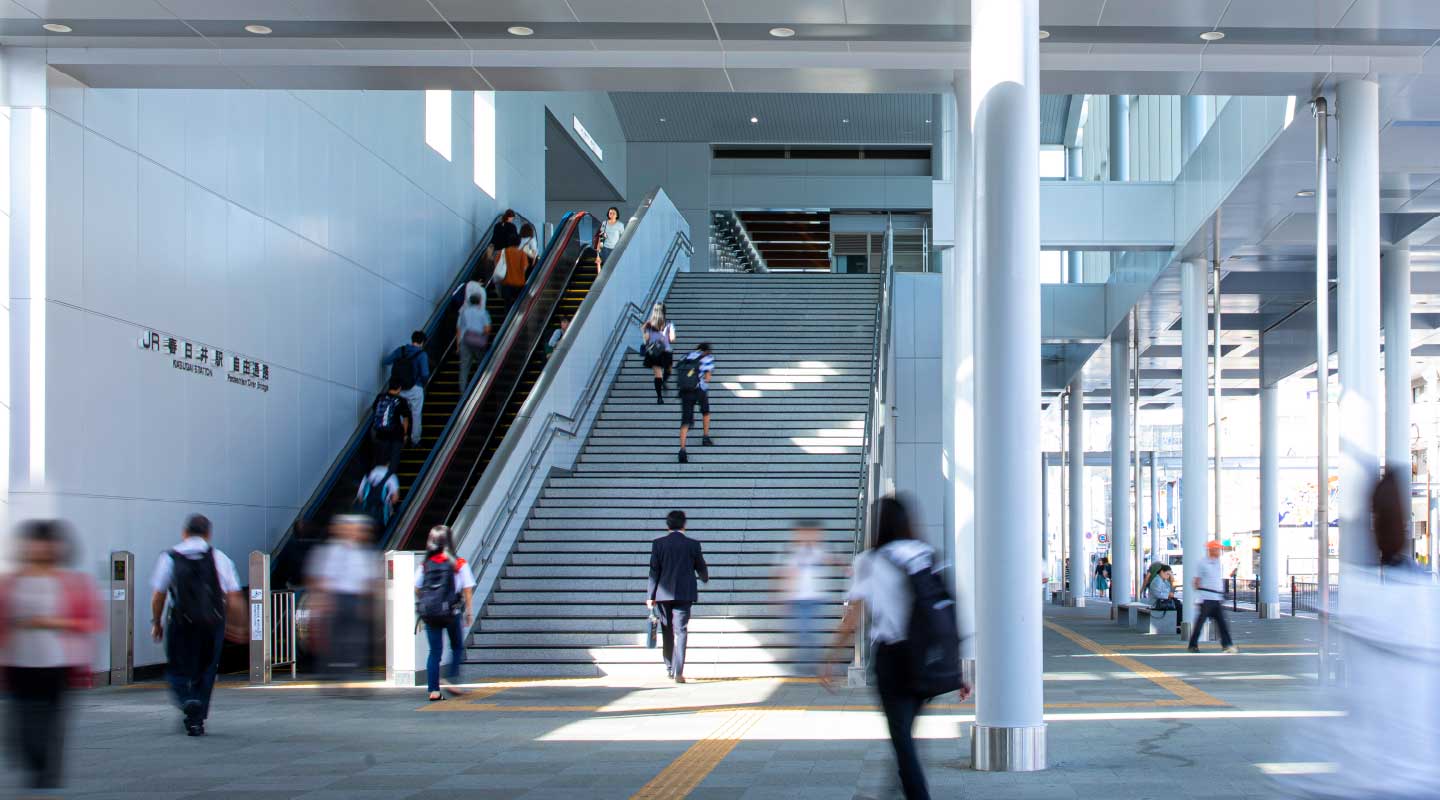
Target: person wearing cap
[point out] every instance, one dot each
(203, 589)
(342, 576)
(1210, 591)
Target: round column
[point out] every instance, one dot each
(1194, 405)
(1121, 522)
(1269, 501)
(1079, 559)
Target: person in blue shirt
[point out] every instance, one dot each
(410, 365)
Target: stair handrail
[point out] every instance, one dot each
(450, 437)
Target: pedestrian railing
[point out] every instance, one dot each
(1305, 596)
(284, 649)
(1243, 593)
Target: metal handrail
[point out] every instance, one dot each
(556, 424)
(452, 436)
(284, 648)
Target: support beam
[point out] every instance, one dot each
(1192, 124)
(1075, 592)
(1009, 732)
(1074, 170)
(1120, 137)
(1120, 520)
(1269, 502)
(1154, 514)
(1395, 308)
(1358, 307)
(1194, 398)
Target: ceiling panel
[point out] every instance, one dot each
(507, 11)
(784, 118)
(909, 12)
(96, 9)
(1285, 14)
(779, 12)
(1070, 12)
(1146, 13)
(1375, 14)
(648, 11)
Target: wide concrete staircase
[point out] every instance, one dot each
(794, 360)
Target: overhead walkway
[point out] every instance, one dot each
(794, 356)
(554, 285)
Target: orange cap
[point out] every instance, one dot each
(1212, 546)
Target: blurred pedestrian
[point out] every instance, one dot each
(444, 589)
(389, 425)
(410, 367)
(503, 235)
(693, 383)
(203, 591)
(675, 563)
(378, 495)
(611, 231)
(48, 616)
(342, 579)
(884, 589)
(802, 577)
(657, 345)
(1210, 591)
(472, 331)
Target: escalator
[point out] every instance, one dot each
(558, 285)
(443, 396)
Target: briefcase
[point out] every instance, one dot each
(652, 629)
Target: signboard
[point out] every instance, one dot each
(588, 139)
(257, 622)
(202, 360)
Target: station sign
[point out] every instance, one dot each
(204, 360)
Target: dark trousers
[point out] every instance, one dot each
(193, 654)
(901, 707)
(674, 630)
(435, 636)
(510, 294)
(1210, 609)
(349, 645)
(387, 451)
(37, 721)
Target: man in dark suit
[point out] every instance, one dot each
(675, 562)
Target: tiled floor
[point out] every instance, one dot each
(1129, 716)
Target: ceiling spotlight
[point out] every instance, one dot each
(55, 27)
(846, 121)
(927, 122)
(1044, 34)
(662, 119)
(1212, 36)
(754, 120)
(520, 30)
(1305, 193)
(782, 33)
(259, 30)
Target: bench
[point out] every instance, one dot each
(1154, 620)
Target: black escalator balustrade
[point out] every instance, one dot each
(510, 373)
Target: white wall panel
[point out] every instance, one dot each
(917, 307)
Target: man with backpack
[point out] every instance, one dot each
(410, 366)
(675, 562)
(379, 494)
(692, 383)
(389, 425)
(202, 586)
(914, 632)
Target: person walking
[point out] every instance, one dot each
(611, 231)
(1102, 576)
(675, 563)
(49, 614)
(390, 418)
(802, 577)
(342, 576)
(657, 345)
(1210, 590)
(203, 591)
(410, 366)
(881, 592)
(444, 592)
(472, 332)
(693, 385)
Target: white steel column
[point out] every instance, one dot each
(1358, 310)
(1395, 308)
(1121, 523)
(1119, 137)
(1074, 171)
(1154, 512)
(1009, 733)
(1269, 500)
(1075, 594)
(1194, 402)
(1192, 124)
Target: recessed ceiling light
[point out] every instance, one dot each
(1305, 193)
(1212, 36)
(1044, 34)
(846, 121)
(259, 30)
(754, 120)
(520, 30)
(662, 119)
(927, 122)
(782, 33)
(55, 27)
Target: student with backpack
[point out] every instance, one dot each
(692, 383)
(410, 365)
(389, 425)
(914, 632)
(472, 332)
(203, 588)
(657, 345)
(444, 587)
(378, 495)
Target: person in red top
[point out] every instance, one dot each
(444, 587)
(48, 614)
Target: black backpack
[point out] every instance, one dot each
(687, 376)
(437, 599)
(372, 499)
(385, 420)
(932, 641)
(195, 597)
(403, 370)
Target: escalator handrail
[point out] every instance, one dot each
(387, 532)
(438, 462)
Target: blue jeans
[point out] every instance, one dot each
(193, 656)
(605, 254)
(806, 613)
(435, 635)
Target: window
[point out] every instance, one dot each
(485, 142)
(438, 121)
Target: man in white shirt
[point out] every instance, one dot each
(342, 575)
(1210, 591)
(202, 586)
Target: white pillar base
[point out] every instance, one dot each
(1269, 611)
(1018, 749)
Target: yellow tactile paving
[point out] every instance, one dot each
(686, 772)
(1187, 693)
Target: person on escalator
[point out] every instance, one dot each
(389, 425)
(557, 336)
(379, 494)
(472, 334)
(611, 232)
(514, 265)
(657, 344)
(503, 235)
(410, 365)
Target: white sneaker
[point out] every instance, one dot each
(1232, 649)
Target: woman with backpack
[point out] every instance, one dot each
(657, 344)
(444, 587)
(472, 331)
(892, 579)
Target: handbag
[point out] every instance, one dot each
(475, 340)
(652, 630)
